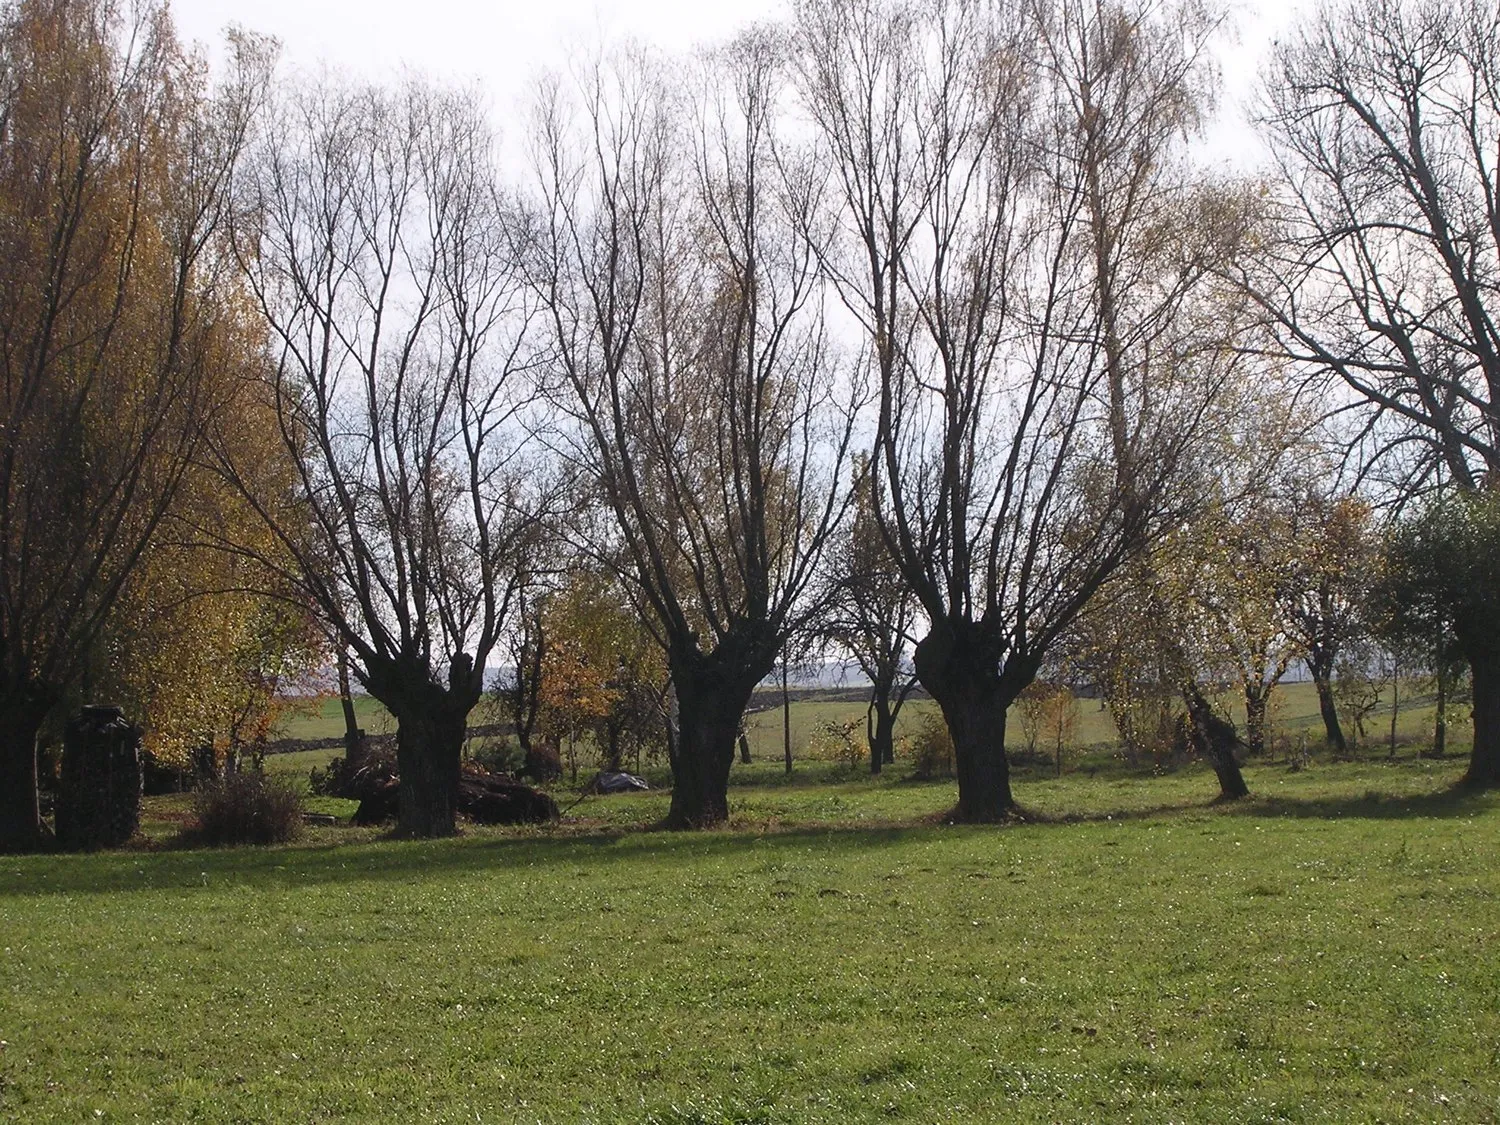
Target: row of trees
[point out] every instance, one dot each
(893, 321)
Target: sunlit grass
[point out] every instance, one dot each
(1324, 952)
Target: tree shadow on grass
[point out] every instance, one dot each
(410, 861)
(595, 852)
(1457, 800)
(1452, 801)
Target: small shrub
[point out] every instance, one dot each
(842, 741)
(497, 755)
(544, 764)
(932, 750)
(247, 808)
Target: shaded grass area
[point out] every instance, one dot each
(1324, 952)
(763, 796)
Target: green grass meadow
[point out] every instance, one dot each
(1326, 951)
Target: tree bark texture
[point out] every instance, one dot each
(431, 723)
(964, 675)
(99, 800)
(709, 709)
(1484, 759)
(1215, 739)
(21, 827)
(1323, 681)
(712, 691)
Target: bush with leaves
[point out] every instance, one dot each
(840, 740)
(931, 749)
(1361, 677)
(1439, 585)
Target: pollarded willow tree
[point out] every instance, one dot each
(119, 342)
(1384, 119)
(1021, 240)
(382, 256)
(676, 254)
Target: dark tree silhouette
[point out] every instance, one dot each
(374, 239)
(1022, 246)
(677, 256)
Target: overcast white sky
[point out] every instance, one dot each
(503, 43)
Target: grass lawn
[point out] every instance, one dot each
(1328, 951)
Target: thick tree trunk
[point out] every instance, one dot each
(880, 728)
(708, 723)
(20, 815)
(1484, 759)
(964, 676)
(1334, 732)
(429, 745)
(21, 828)
(430, 726)
(99, 798)
(977, 724)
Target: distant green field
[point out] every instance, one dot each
(1322, 952)
(1294, 711)
(323, 717)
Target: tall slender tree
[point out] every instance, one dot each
(1330, 566)
(871, 617)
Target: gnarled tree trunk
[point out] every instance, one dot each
(962, 672)
(1215, 739)
(431, 722)
(710, 705)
